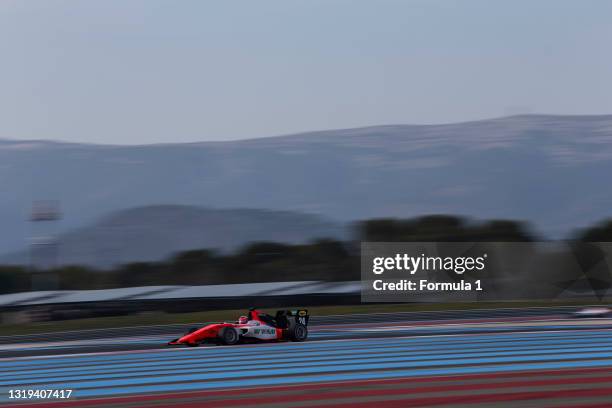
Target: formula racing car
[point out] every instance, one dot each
(286, 325)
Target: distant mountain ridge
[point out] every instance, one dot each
(550, 170)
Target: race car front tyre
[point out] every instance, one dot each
(228, 336)
(299, 332)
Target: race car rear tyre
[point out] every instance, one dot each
(299, 332)
(228, 336)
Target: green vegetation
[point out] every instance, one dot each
(325, 259)
(14, 279)
(443, 228)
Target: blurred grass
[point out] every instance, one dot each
(161, 318)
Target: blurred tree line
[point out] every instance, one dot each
(324, 259)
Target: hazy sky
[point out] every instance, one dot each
(145, 71)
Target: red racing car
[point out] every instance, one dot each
(256, 326)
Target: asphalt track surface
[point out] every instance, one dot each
(394, 360)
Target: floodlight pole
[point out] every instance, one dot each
(44, 244)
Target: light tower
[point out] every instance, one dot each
(44, 248)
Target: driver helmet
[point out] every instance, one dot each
(243, 320)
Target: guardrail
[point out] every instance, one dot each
(60, 305)
(145, 293)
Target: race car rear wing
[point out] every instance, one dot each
(288, 318)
